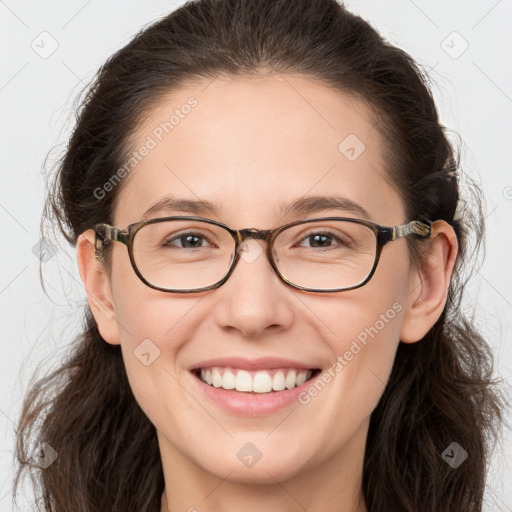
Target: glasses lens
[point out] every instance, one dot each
(326, 255)
(183, 254)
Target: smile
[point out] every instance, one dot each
(259, 381)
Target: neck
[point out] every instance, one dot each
(334, 485)
(254, 500)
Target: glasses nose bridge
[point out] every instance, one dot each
(257, 234)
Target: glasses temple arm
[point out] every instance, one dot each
(416, 227)
(106, 233)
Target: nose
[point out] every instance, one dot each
(254, 300)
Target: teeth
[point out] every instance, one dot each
(243, 381)
(291, 379)
(216, 378)
(257, 382)
(229, 380)
(278, 381)
(262, 383)
(301, 378)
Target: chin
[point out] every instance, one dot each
(266, 470)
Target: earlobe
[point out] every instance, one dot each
(430, 283)
(97, 286)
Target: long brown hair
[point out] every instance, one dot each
(441, 388)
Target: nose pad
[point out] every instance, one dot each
(250, 250)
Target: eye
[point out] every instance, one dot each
(190, 240)
(326, 239)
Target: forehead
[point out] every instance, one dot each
(252, 146)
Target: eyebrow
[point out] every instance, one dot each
(169, 203)
(312, 204)
(303, 205)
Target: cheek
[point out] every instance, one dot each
(152, 335)
(362, 329)
(137, 306)
(363, 336)
(147, 318)
(364, 315)
(367, 353)
(152, 317)
(378, 314)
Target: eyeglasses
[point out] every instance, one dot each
(193, 254)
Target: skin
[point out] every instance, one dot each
(249, 146)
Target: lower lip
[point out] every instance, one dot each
(252, 404)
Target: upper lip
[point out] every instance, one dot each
(263, 363)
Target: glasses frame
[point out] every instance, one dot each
(384, 234)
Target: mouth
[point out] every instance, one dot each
(255, 381)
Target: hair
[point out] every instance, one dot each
(441, 389)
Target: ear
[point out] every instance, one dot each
(430, 283)
(97, 285)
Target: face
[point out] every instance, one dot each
(250, 148)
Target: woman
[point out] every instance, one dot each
(264, 206)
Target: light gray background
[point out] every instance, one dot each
(474, 95)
